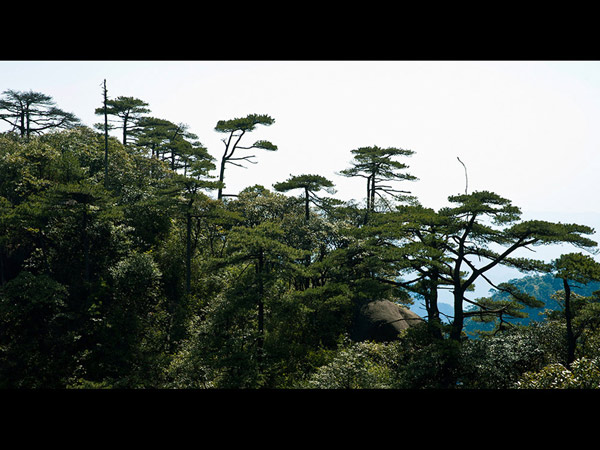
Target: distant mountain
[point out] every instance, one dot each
(541, 287)
(446, 310)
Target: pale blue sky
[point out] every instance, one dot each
(527, 130)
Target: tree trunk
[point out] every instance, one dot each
(28, 131)
(125, 120)
(457, 324)
(306, 205)
(459, 288)
(188, 259)
(433, 313)
(369, 205)
(221, 176)
(570, 335)
(2, 277)
(105, 139)
(261, 311)
(86, 247)
(368, 195)
(372, 192)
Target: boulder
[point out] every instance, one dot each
(383, 320)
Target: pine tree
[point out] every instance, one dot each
(236, 129)
(310, 184)
(579, 269)
(472, 234)
(378, 166)
(129, 111)
(32, 113)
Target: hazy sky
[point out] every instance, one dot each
(527, 130)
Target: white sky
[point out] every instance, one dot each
(527, 130)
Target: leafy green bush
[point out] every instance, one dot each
(357, 365)
(583, 374)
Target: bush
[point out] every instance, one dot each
(357, 365)
(584, 374)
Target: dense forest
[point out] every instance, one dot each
(126, 263)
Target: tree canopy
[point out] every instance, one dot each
(235, 130)
(123, 266)
(378, 165)
(32, 113)
(310, 184)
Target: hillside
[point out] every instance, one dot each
(541, 287)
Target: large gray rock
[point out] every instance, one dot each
(382, 320)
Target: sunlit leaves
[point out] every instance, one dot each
(577, 267)
(584, 373)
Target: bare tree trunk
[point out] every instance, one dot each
(188, 259)
(221, 176)
(105, 139)
(570, 335)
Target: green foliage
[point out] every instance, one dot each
(35, 342)
(483, 203)
(131, 275)
(312, 183)
(577, 267)
(546, 289)
(33, 113)
(498, 361)
(247, 123)
(265, 145)
(379, 160)
(128, 110)
(236, 129)
(542, 233)
(583, 374)
(356, 365)
(131, 329)
(377, 165)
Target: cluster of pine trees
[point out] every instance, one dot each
(125, 263)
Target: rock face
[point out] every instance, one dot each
(382, 321)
